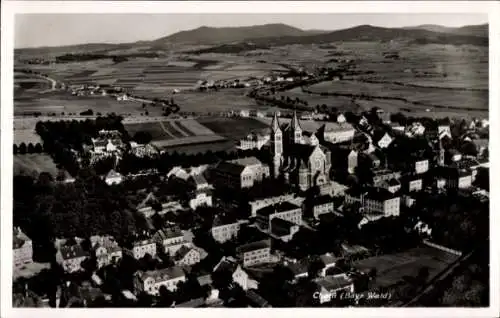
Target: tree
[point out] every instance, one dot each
(38, 148)
(22, 148)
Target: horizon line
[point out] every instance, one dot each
(242, 26)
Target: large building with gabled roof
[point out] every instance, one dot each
(302, 164)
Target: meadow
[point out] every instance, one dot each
(28, 163)
(234, 128)
(392, 268)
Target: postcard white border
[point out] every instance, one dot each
(10, 8)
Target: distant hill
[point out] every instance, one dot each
(471, 30)
(373, 33)
(210, 35)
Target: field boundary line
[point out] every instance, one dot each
(166, 131)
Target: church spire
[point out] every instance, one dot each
(295, 121)
(275, 125)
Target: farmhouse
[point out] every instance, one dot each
(143, 247)
(330, 286)
(337, 132)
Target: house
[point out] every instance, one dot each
(352, 161)
(397, 127)
(421, 166)
(329, 260)
(299, 268)
(106, 250)
(341, 119)
(415, 129)
(393, 185)
(171, 239)
(284, 210)
(244, 113)
(143, 247)
(262, 203)
(413, 183)
(337, 132)
(122, 97)
(187, 256)
(238, 273)
(239, 173)
(331, 286)
(381, 175)
(253, 140)
(458, 178)
(224, 231)
(23, 247)
(375, 200)
(113, 178)
(444, 131)
(151, 281)
(202, 195)
(283, 229)
(71, 257)
(321, 205)
(254, 253)
(382, 139)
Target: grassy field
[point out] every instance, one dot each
(223, 100)
(234, 128)
(27, 136)
(392, 268)
(64, 102)
(176, 133)
(26, 164)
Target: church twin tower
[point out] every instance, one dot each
(300, 162)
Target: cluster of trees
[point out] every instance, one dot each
(79, 57)
(46, 210)
(62, 138)
(166, 161)
(457, 221)
(30, 148)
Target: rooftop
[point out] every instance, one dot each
(253, 246)
(278, 207)
(333, 282)
(230, 168)
(163, 274)
(73, 251)
(248, 161)
(323, 199)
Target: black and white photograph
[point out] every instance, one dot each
(248, 160)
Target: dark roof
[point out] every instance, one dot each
(256, 299)
(393, 182)
(163, 274)
(253, 246)
(247, 161)
(379, 194)
(301, 151)
(227, 264)
(323, 200)
(299, 267)
(278, 207)
(73, 251)
(193, 303)
(281, 227)
(334, 282)
(199, 179)
(230, 168)
(181, 252)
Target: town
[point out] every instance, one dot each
(296, 206)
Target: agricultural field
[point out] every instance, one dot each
(174, 133)
(339, 102)
(26, 136)
(234, 128)
(64, 102)
(392, 268)
(27, 163)
(429, 97)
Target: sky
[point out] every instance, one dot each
(36, 30)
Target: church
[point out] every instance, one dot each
(297, 157)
